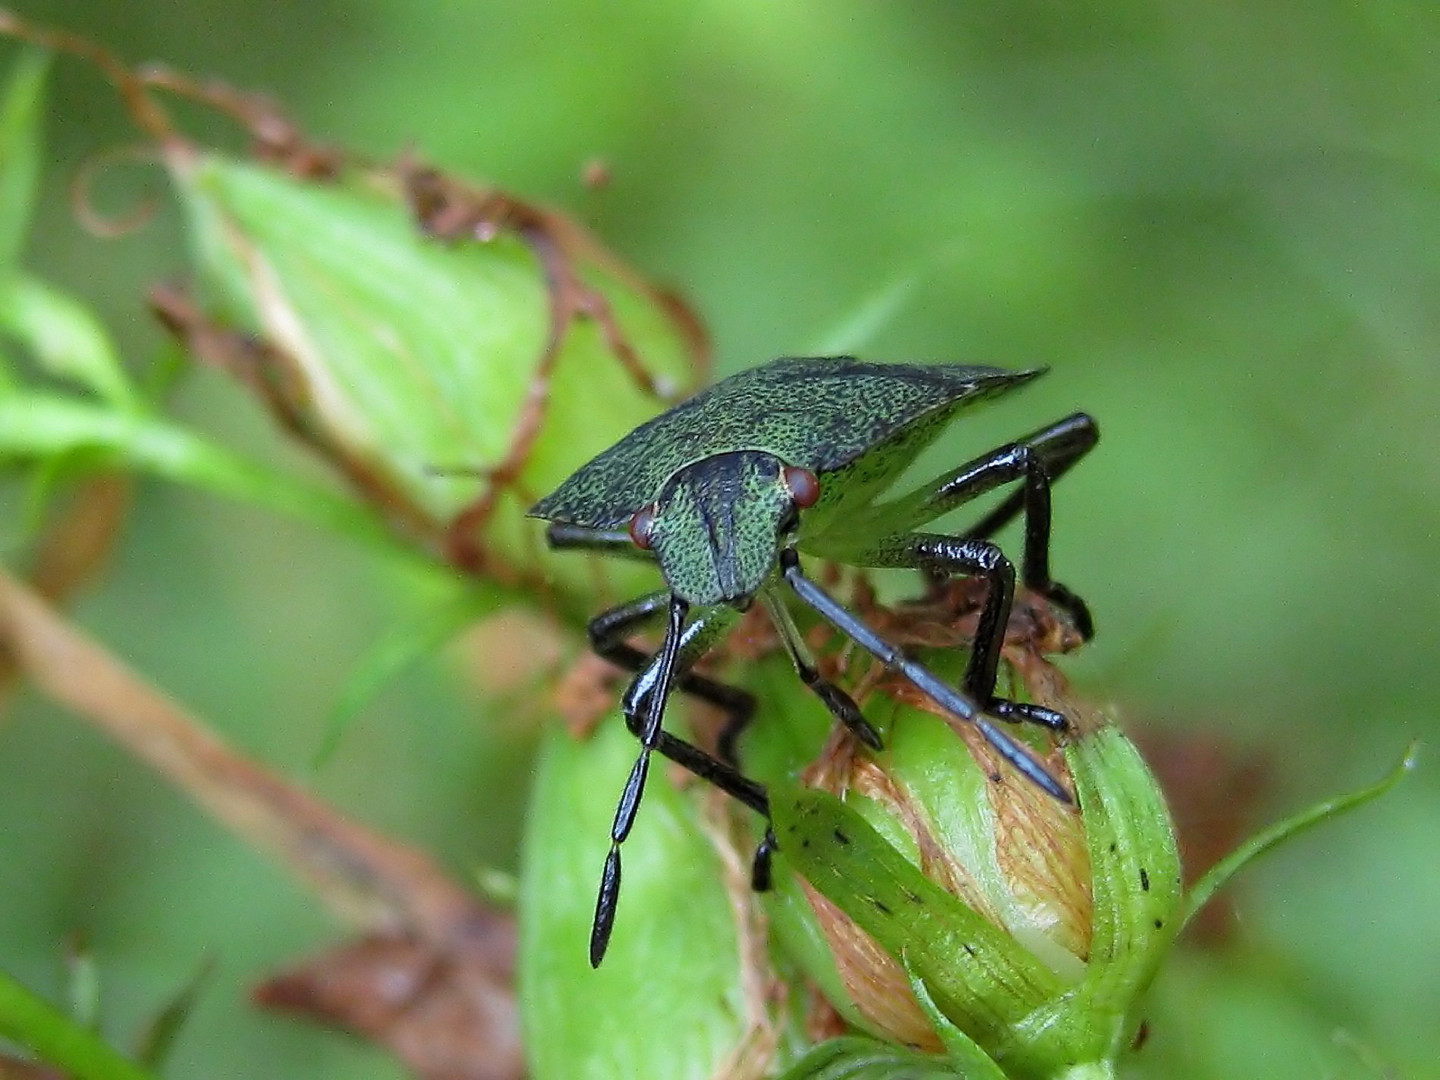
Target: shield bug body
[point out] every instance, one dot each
(726, 490)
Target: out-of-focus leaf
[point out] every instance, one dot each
(418, 636)
(35, 425)
(35, 1024)
(859, 326)
(673, 970)
(158, 1038)
(1281, 831)
(65, 339)
(20, 113)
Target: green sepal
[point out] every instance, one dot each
(668, 999)
(854, 1057)
(967, 1058)
(977, 974)
(1267, 839)
(1136, 894)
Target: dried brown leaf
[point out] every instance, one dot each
(448, 1015)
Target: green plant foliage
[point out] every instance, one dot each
(855, 1058)
(1216, 224)
(1272, 837)
(329, 274)
(56, 1039)
(65, 339)
(431, 626)
(20, 113)
(37, 425)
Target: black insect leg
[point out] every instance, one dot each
(947, 555)
(608, 631)
(925, 680)
(1039, 459)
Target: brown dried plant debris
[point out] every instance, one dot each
(376, 884)
(447, 1015)
(16, 1069)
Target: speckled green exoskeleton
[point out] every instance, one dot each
(728, 489)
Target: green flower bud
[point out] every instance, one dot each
(451, 378)
(942, 901)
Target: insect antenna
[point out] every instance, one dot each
(649, 734)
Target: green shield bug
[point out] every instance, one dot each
(727, 489)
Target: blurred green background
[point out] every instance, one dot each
(1218, 223)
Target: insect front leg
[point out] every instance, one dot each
(841, 705)
(609, 629)
(647, 727)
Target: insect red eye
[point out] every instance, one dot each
(803, 485)
(640, 525)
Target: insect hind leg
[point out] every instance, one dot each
(1037, 460)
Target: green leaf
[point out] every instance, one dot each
(84, 984)
(20, 114)
(668, 1001)
(65, 339)
(37, 425)
(35, 1024)
(854, 1057)
(418, 636)
(1291, 827)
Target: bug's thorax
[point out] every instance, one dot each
(717, 525)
